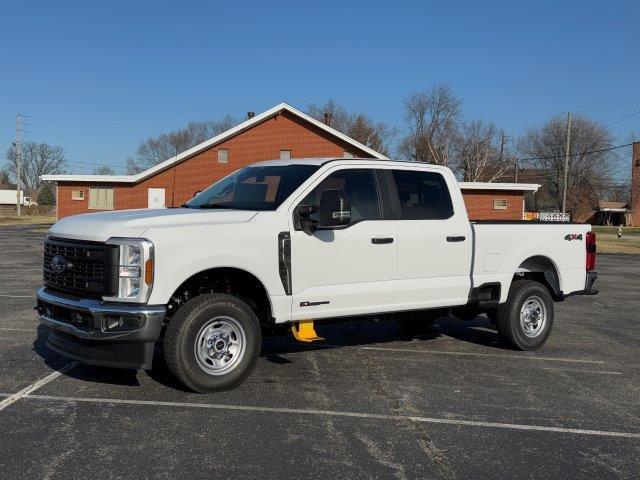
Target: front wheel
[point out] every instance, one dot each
(526, 318)
(212, 342)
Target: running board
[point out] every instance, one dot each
(304, 332)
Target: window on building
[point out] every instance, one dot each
(638, 162)
(101, 198)
(359, 185)
(223, 155)
(77, 194)
(422, 195)
(499, 204)
(285, 154)
(347, 155)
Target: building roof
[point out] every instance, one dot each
(516, 187)
(605, 206)
(247, 124)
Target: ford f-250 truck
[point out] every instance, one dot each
(293, 241)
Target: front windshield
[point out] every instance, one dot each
(253, 188)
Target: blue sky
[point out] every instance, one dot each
(99, 77)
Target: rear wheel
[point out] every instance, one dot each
(212, 342)
(526, 318)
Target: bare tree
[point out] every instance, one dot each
(589, 171)
(37, 159)
(158, 149)
(377, 136)
(480, 153)
(105, 170)
(5, 179)
(432, 119)
(341, 119)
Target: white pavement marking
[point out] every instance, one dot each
(600, 372)
(471, 354)
(334, 413)
(18, 296)
(34, 386)
(18, 329)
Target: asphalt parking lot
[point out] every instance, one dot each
(369, 402)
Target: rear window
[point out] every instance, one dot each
(422, 195)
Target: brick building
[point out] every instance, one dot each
(634, 204)
(280, 132)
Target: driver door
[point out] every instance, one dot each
(347, 270)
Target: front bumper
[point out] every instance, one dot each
(97, 333)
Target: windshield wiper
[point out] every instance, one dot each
(218, 205)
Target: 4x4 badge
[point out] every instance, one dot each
(573, 236)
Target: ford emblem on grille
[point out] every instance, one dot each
(59, 264)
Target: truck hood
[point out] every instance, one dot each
(99, 227)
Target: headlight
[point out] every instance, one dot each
(135, 269)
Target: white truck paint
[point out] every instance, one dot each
(406, 247)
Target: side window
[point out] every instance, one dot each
(359, 185)
(422, 195)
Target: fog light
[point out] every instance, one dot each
(112, 323)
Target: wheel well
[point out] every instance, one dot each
(542, 270)
(232, 281)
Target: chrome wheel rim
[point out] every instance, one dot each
(220, 345)
(533, 316)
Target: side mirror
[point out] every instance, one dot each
(307, 224)
(335, 209)
(195, 194)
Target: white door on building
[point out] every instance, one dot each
(156, 197)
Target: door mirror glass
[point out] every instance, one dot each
(335, 209)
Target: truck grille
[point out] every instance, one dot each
(80, 267)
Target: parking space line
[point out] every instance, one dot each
(335, 413)
(34, 386)
(17, 296)
(472, 354)
(33, 330)
(599, 372)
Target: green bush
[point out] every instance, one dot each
(46, 196)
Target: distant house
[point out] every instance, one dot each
(280, 132)
(612, 213)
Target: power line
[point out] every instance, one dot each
(577, 154)
(631, 100)
(619, 119)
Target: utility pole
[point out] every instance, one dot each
(18, 145)
(566, 164)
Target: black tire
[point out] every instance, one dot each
(187, 325)
(508, 315)
(415, 323)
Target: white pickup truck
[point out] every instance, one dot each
(297, 241)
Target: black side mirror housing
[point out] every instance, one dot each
(335, 209)
(195, 194)
(307, 224)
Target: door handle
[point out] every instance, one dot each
(381, 240)
(460, 238)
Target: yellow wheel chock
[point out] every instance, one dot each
(303, 331)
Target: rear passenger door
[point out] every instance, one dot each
(434, 244)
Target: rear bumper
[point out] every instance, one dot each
(97, 333)
(588, 286)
